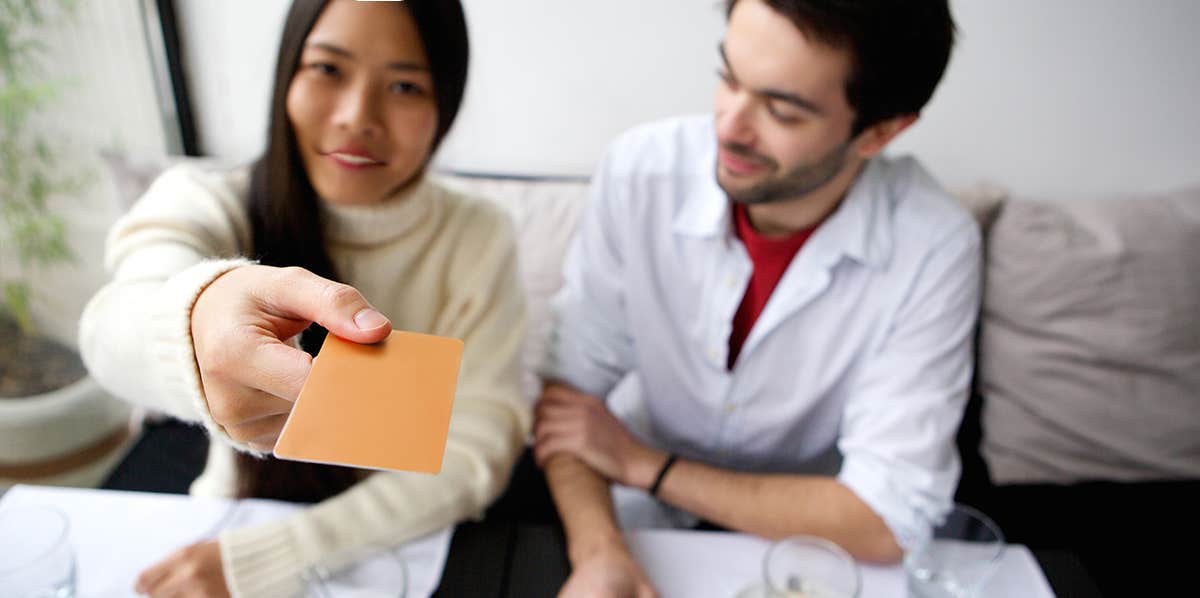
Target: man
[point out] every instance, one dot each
(789, 343)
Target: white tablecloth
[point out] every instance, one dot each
(719, 565)
(116, 535)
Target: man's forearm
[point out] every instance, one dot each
(779, 505)
(584, 505)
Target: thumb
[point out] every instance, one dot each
(340, 308)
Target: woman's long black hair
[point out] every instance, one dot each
(285, 217)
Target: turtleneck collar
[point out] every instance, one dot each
(373, 224)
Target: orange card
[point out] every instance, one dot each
(381, 406)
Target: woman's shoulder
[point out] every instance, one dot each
(231, 181)
(470, 212)
(477, 234)
(198, 203)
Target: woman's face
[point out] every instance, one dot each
(361, 103)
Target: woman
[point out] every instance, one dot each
(364, 92)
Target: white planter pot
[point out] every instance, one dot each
(60, 425)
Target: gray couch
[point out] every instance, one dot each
(1084, 431)
(1083, 434)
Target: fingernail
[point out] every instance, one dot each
(369, 319)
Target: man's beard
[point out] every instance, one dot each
(797, 182)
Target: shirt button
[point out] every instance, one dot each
(730, 408)
(712, 354)
(730, 282)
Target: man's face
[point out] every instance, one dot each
(783, 120)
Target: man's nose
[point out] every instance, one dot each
(734, 124)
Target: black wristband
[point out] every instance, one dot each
(662, 473)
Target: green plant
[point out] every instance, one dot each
(32, 235)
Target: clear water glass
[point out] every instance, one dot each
(36, 560)
(810, 567)
(958, 560)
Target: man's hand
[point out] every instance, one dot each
(240, 324)
(191, 572)
(569, 421)
(609, 573)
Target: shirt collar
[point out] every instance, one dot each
(861, 228)
(706, 211)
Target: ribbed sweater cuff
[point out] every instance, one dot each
(172, 339)
(261, 561)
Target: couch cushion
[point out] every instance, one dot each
(545, 212)
(1089, 358)
(984, 201)
(132, 173)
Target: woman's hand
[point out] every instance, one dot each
(191, 571)
(240, 323)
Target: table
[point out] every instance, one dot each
(151, 525)
(491, 558)
(532, 564)
(499, 557)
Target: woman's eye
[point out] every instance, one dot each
(324, 68)
(406, 88)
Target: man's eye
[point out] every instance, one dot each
(727, 78)
(784, 116)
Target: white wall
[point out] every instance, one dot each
(1062, 99)
(1068, 98)
(553, 82)
(230, 47)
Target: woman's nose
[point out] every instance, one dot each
(358, 111)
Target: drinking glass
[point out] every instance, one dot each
(381, 574)
(806, 567)
(810, 567)
(958, 560)
(36, 560)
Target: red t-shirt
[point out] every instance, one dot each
(770, 258)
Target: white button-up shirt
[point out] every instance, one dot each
(858, 366)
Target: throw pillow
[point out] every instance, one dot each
(545, 213)
(1089, 359)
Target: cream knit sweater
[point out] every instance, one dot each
(431, 260)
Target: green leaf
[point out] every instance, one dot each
(16, 303)
(42, 150)
(37, 191)
(31, 233)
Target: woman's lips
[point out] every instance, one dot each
(353, 159)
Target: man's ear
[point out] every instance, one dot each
(872, 140)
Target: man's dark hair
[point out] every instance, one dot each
(899, 49)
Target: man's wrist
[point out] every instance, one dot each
(662, 474)
(644, 468)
